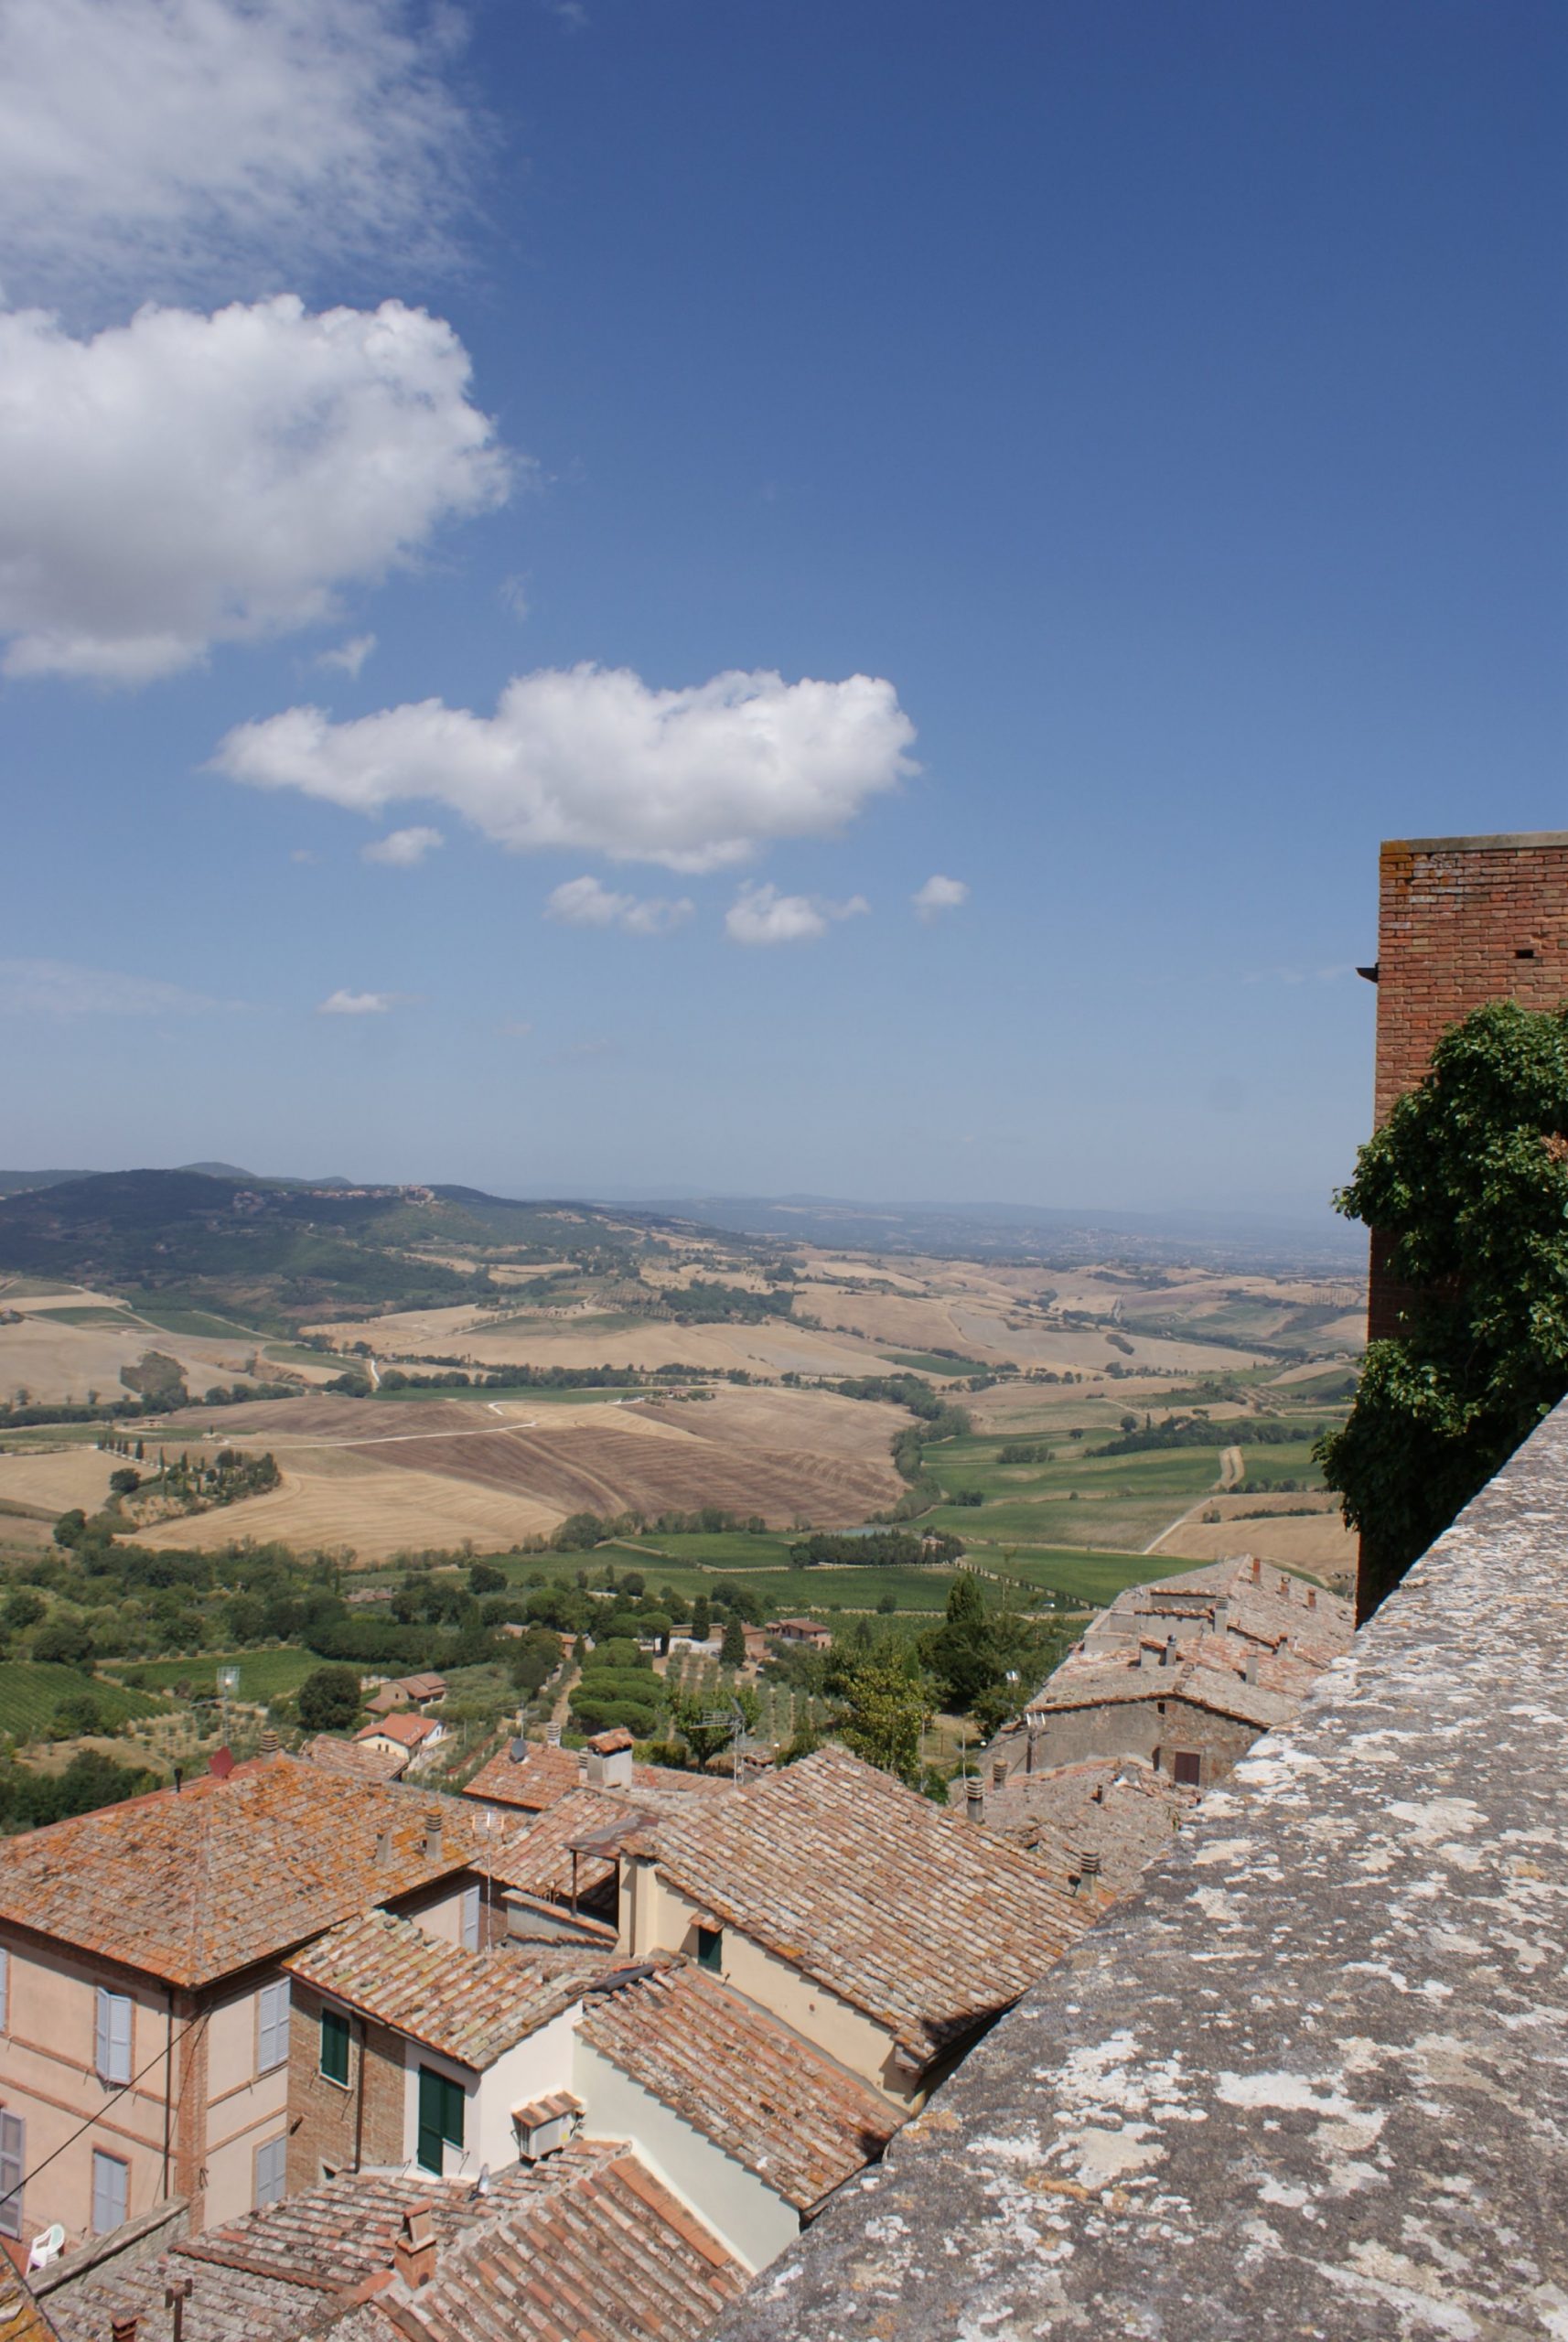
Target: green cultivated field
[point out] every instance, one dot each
(181, 1318)
(93, 1314)
(263, 1673)
(31, 1689)
(929, 1362)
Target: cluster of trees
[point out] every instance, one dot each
(1467, 1185)
(90, 1779)
(1026, 1451)
(197, 1486)
(884, 1548)
(705, 1303)
(1198, 1431)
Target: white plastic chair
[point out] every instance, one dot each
(47, 2246)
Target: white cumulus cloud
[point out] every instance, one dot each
(183, 144)
(582, 902)
(593, 758)
(762, 915)
(187, 479)
(350, 655)
(938, 895)
(62, 988)
(343, 1002)
(404, 847)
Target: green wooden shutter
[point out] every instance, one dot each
(440, 2117)
(335, 2046)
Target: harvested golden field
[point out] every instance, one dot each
(384, 1475)
(1317, 1541)
(58, 1478)
(591, 1338)
(47, 1355)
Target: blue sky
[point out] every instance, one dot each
(1158, 410)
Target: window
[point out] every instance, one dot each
(335, 2046)
(111, 2191)
(113, 2053)
(440, 2117)
(12, 2163)
(272, 2027)
(710, 1947)
(470, 1918)
(1186, 1768)
(272, 2162)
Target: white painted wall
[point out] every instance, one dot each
(532, 2069)
(741, 2210)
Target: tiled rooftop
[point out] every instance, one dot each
(355, 1757)
(906, 1911)
(544, 1775)
(801, 2123)
(1087, 1681)
(584, 2248)
(469, 2006)
(409, 1731)
(537, 1858)
(171, 1883)
(22, 2318)
(1116, 1808)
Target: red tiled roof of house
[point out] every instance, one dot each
(789, 2112)
(1118, 1809)
(410, 1732)
(354, 1757)
(469, 2006)
(428, 1686)
(22, 2318)
(544, 1774)
(538, 1859)
(193, 1884)
(911, 1915)
(586, 2247)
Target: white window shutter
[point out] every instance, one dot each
(272, 2164)
(271, 2025)
(13, 2166)
(113, 2049)
(103, 2054)
(5, 1990)
(111, 2192)
(470, 1918)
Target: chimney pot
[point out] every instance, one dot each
(999, 1772)
(1257, 1570)
(1249, 1672)
(122, 2329)
(1088, 1864)
(1312, 1597)
(383, 1846)
(553, 1735)
(974, 1801)
(432, 1834)
(269, 1742)
(1170, 1656)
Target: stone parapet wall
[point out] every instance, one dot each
(1312, 2081)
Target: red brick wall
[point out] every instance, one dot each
(1460, 922)
(322, 2115)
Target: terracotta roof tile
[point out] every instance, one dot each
(584, 2248)
(1118, 1809)
(538, 1858)
(22, 2318)
(355, 1757)
(544, 1774)
(170, 1883)
(785, 2109)
(412, 1731)
(911, 1915)
(469, 2006)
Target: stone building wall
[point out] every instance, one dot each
(324, 2116)
(1153, 1728)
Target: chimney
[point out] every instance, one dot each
(1222, 1616)
(975, 1801)
(121, 2329)
(1088, 1865)
(413, 2248)
(1170, 1658)
(553, 1735)
(999, 1772)
(269, 1742)
(383, 1847)
(432, 1834)
(1312, 1597)
(1257, 1571)
(1249, 1672)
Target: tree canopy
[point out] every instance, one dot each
(1467, 1185)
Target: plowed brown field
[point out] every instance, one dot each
(386, 1475)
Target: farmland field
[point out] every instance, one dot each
(263, 1673)
(31, 1690)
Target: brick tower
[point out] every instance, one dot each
(1460, 922)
